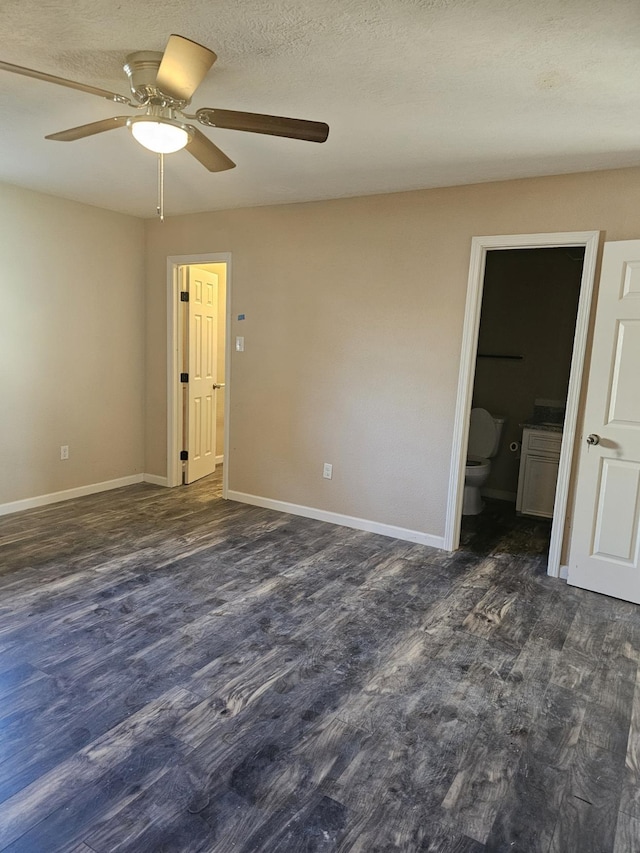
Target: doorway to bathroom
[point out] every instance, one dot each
(526, 322)
(525, 343)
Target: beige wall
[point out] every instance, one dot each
(529, 307)
(71, 344)
(353, 332)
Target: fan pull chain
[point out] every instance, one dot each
(160, 207)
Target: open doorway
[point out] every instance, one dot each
(525, 343)
(198, 386)
(481, 246)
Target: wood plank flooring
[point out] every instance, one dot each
(179, 673)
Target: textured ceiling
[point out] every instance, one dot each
(418, 93)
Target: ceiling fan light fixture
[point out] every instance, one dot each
(160, 135)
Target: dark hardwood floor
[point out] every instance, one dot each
(180, 673)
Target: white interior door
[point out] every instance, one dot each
(201, 333)
(605, 545)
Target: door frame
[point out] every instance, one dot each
(479, 248)
(174, 349)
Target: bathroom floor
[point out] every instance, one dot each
(499, 527)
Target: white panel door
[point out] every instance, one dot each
(202, 361)
(605, 544)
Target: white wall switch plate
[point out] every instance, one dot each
(327, 470)
(64, 451)
(239, 344)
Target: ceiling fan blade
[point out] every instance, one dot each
(293, 128)
(83, 130)
(207, 153)
(62, 81)
(184, 66)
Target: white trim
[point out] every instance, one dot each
(174, 465)
(578, 359)
(499, 495)
(69, 494)
(154, 480)
(338, 518)
(479, 248)
(564, 572)
(220, 459)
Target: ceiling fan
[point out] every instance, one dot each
(162, 85)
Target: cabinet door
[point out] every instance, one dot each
(539, 485)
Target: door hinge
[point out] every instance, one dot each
(184, 377)
(184, 296)
(184, 455)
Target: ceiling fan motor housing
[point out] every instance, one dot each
(142, 69)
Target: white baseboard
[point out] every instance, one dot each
(220, 459)
(338, 518)
(500, 495)
(564, 572)
(155, 480)
(69, 494)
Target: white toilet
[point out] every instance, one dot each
(484, 439)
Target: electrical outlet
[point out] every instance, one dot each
(64, 451)
(327, 470)
(240, 343)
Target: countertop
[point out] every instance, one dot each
(544, 426)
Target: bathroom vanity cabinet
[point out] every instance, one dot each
(538, 471)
